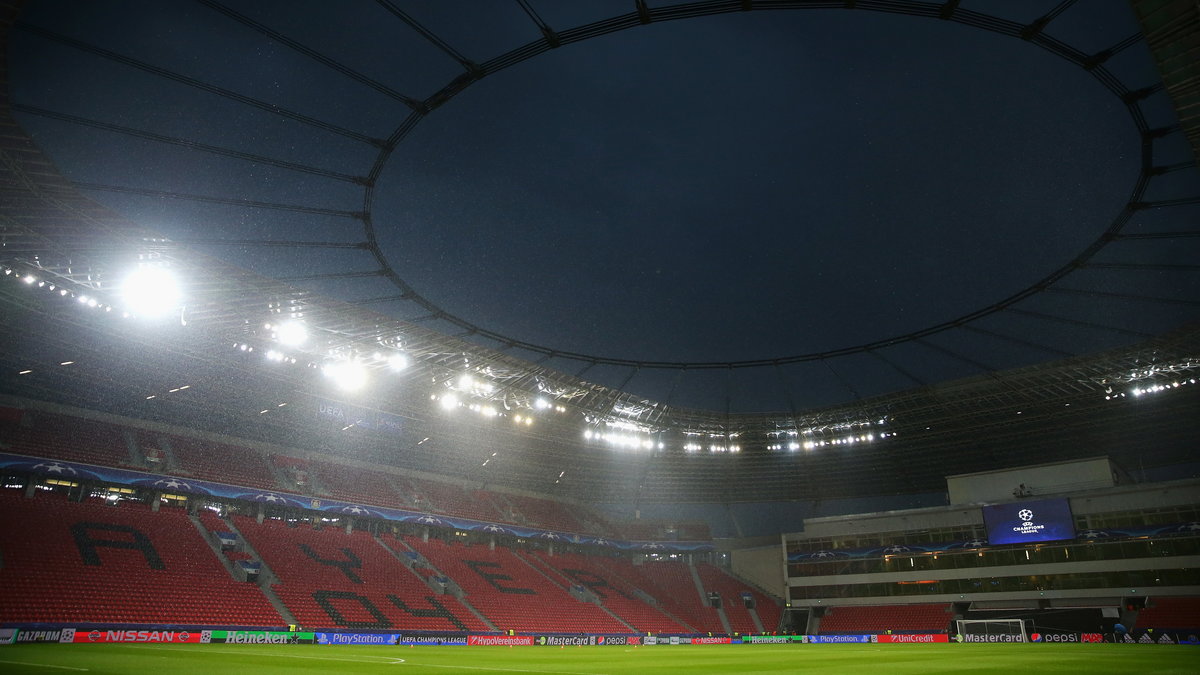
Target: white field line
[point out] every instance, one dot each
(41, 665)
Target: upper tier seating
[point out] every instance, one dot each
(455, 500)
(1170, 613)
(95, 563)
(222, 463)
(69, 438)
(511, 593)
(617, 595)
(355, 485)
(330, 579)
(546, 513)
(933, 618)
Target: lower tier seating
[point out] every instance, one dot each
(617, 595)
(511, 593)
(1170, 613)
(672, 584)
(96, 563)
(928, 618)
(329, 579)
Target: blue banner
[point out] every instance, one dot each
(75, 471)
(357, 638)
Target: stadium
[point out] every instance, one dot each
(787, 334)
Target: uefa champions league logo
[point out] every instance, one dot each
(1027, 526)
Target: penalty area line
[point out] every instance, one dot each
(40, 665)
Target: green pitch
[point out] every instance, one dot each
(692, 660)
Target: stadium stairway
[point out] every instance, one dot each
(216, 548)
(695, 573)
(399, 546)
(512, 594)
(732, 590)
(266, 577)
(634, 607)
(577, 590)
(671, 584)
(416, 563)
(333, 579)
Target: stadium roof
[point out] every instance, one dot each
(240, 181)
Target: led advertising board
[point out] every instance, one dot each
(1031, 521)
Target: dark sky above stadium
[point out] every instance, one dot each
(743, 186)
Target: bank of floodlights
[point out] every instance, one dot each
(347, 375)
(150, 291)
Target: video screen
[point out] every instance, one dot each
(1024, 522)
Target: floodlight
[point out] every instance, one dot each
(150, 292)
(291, 333)
(346, 375)
(449, 402)
(398, 361)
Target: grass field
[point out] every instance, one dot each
(880, 659)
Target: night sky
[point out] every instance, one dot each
(744, 186)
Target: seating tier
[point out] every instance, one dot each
(511, 593)
(925, 618)
(330, 579)
(95, 563)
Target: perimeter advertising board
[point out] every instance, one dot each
(619, 640)
(23, 635)
(1059, 636)
(565, 640)
(155, 636)
(772, 639)
(432, 640)
(500, 640)
(356, 638)
(911, 639)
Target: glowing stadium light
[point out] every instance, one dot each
(541, 404)
(29, 279)
(291, 333)
(150, 292)
(448, 402)
(346, 375)
(398, 362)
